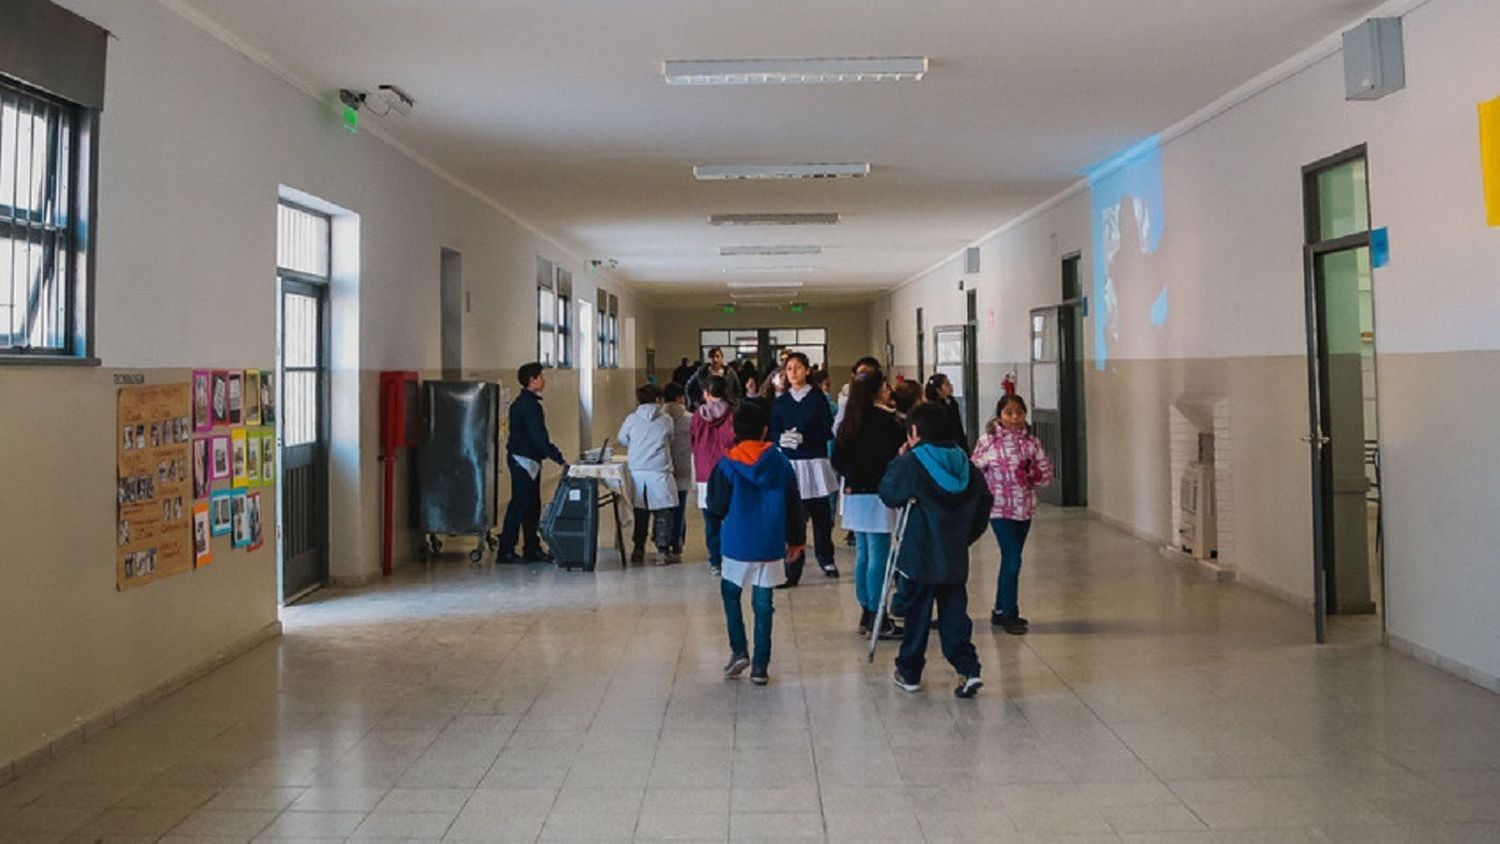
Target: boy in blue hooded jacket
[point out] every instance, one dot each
(753, 492)
(950, 510)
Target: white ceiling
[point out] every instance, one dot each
(557, 110)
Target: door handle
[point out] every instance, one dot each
(1318, 440)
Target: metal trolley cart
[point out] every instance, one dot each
(458, 465)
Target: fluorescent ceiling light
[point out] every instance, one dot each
(798, 270)
(764, 285)
(733, 251)
(783, 219)
(793, 71)
(726, 172)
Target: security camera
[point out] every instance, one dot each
(396, 100)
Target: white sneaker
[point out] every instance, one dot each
(968, 687)
(736, 667)
(904, 684)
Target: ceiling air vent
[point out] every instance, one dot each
(734, 172)
(738, 251)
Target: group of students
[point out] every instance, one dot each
(764, 465)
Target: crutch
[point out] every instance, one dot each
(890, 574)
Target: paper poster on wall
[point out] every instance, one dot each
(236, 397)
(218, 397)
(268, 457)
(220, 512)
(1489, 158)
(220, 467)
(202, 389)
(239, 518)
(154, 489)
(239, 456)
(202, 479)
(252, 397)
(253, 517)
(267, 397)
(252, 457)
(203, 546)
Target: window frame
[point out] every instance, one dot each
(562, 299)
(546, 326)
(76, 285)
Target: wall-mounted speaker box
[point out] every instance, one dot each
(971, 259)
(1374, 60)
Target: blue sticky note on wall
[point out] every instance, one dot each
(1380, 247)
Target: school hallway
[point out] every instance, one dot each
(465, 702)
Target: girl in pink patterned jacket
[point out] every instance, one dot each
(1014, 465)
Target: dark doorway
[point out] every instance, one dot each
(1072, 478)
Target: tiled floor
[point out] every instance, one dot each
(468, 703)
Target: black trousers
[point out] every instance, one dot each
(955, 630)
(663, 532)
(523, 512)
(821, 513)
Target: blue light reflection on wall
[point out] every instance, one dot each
(1128, 219)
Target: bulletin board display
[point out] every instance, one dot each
(154, 483)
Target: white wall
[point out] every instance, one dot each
(1232, 256)
(196, 142)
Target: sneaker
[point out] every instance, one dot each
(737, 665)
(829, 570)
(890, 630)
(508, 558)
(787, 585)
(759, 677)
(638, 556)
(997, 618)
(866, 619)
(968, 687)
(671, 558)
(1014, 626)
(539, 556)
(904, 684)
(715, 571)
(849, 539)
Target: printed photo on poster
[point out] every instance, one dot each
(203, 547)
(203, 419)
(252, 458)
(218, 398)
(268, 457)
(218, 456)
(220, 512)
(237, 439)
(236, 397)
(240, 518)
(252, 514)
(201, 480)
(252, 397)
(267, 397)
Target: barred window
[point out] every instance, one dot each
(41, 274)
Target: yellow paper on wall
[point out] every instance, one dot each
(1489, 155)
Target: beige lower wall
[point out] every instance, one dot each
(75, 647)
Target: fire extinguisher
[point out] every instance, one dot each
(1008, 383)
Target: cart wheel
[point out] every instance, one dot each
(476, 555)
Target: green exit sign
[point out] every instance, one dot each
(351, 119)
(798, 307)
(728, 309)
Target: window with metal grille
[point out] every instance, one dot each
(42, 279)
(564, 321)
(303, 248)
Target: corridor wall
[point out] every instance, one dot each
(1233, 337)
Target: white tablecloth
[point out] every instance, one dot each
(612, 474)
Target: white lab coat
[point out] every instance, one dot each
(647, 434)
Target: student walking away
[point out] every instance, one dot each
(526, 446)
(712, 436)
(715, 368)
(753, 492)
(950, 509)
(1014, 465)
(866, 443)
(647, 433)
(674, 404)
(682, 373)
(802, 426)
(940, 392)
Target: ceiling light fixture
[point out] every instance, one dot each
(732, 172)
(793, 71)
(764, 285)
(799, 270)
(740, 251)
(778, 219)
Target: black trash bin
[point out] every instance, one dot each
(571, 524)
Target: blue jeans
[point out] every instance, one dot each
(870, 553)
(955, 630)
(711, 528)
(1011, 535)
(734, 615)
(680, 514)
